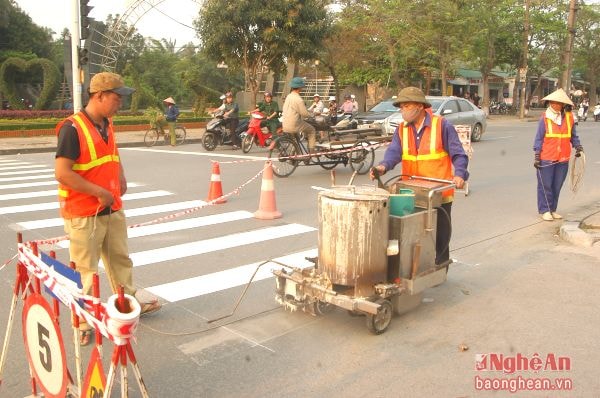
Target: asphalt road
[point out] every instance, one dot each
(516, 287)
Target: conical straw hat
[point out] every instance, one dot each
(559, 96)
(169, 100)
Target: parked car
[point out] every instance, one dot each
(457, 110)
(377, 113)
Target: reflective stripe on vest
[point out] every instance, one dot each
(98, 162)
(94, 161)
(434, 152)
(432, 160)
(560, 134)
(557, 139)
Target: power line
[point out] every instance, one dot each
(170, 17)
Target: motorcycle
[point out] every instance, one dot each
(218, 134)
(498, 108)
(581, 113)
(256, 133)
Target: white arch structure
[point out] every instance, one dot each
(115, 37)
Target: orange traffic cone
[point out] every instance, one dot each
(215, 190)
(267, 210)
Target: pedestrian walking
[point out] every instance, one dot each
(555, 136)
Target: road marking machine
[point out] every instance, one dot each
(376, 252)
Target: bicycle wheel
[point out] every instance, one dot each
(180, 134)
(283, 148)
(334, 159)
(247, 143)
(209, 141)
(150, 137)
(361, 159)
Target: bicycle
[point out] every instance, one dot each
(288, 152)
(156, 130)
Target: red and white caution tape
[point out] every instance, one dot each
(118, 329)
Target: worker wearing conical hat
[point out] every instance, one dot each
(552, 148)
(171, 117)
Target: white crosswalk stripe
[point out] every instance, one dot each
(54, 205)
(217, 281)
(140, 211)
(224, 242)
(18, 172)
(170, 286)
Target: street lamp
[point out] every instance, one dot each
(316, 76)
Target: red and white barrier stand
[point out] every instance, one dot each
(116, 320)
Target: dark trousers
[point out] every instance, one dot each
(444, 231)
(550, 178)
(232, 124)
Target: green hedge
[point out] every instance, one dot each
(12, 125)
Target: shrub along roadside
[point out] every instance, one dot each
(50, 123)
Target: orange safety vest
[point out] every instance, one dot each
(98, 163)
(557, 141)
(430, 159)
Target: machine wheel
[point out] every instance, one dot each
(361, 160)
(150, 137)
(319, 308)
(283, 148)
(247, 143)
(209, 141)
(377, 324)
(476, 133)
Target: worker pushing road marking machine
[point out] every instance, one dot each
(376, 252)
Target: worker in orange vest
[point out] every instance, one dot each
(91, 183)
(552, 149)
(428, 146)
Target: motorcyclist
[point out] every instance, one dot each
(231, 116)
(347, 106)
(317, 106)
(271, 111)
(332, 110)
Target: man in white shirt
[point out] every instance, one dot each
(294, 111)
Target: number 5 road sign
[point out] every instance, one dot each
(44, 346)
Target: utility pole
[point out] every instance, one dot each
(76, 91)
(523, 69)
(568, 54)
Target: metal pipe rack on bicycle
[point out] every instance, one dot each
(348, 147)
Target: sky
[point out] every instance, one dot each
(166, 21)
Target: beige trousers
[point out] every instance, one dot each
(103, 237)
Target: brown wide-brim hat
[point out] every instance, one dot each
(169, 100)
(411, 94)
(559, 96)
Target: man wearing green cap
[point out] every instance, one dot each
(294, 111)
(428, 146)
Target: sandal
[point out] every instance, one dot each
(85, 337)
(150, 307)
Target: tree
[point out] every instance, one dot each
(20, 35)
(258, 36)
(494, 37)
(587, 49)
